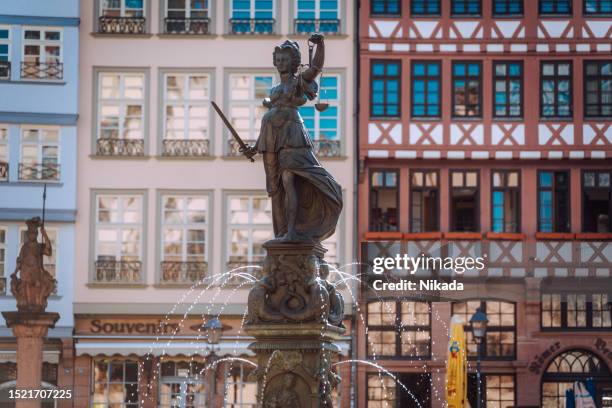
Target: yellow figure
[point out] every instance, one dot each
(456, 366)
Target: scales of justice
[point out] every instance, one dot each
(294, 313)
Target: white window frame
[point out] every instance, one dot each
(241, 382)
(185, 227)
(252, 103)
(121, 103)
(40, 145)
(7, 41)
(120, 225)
(185, 103)
(122, 8)
(41, 43)
(4, 147)
(249, 227)
(3, 249)
(317, 9)
(106, 403)
(53, 234)
(252, 9)
(335, 103)
(188, 9)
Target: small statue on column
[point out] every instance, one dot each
(34, 284)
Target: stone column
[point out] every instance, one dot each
(29, 328)
(295, 316)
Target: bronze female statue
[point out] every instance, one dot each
(306, 199)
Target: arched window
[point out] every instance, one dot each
(567, 368)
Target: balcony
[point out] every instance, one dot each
(182, 273)
(38, 70)
(117, 272)
(233, 149)
(120, 147)
(311, 25)
(39, 172)
(5, 70)
(327, 148)
(187, 26)
(121, 25)
(4, 171)
(252, 26)
(185, 148)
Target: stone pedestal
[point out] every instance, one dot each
(29, 328)
(295, 316)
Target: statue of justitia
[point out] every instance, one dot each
(31, 284)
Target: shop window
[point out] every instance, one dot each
(555, 7)
(464, 196)
(505, 201)
(467, 89)
(240, 391)
(389, 8)
(553, 201)
(426, 89)
(508, 94)
(497, 391)
(385, 79)
(115, 384)
(500, 342)
(381, 391)
(596, 201)
(556, 90)
(569, 367)
(181, 384)
(576, 311)
(598, 88)
(424, 201)
(384, 200)
(399, 329)
(504, 8)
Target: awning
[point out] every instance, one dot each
(174, 348)
(10, 356)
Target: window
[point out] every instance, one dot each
(187, 17)
(39, 154)
(122, 8)
(596, 201)
(186, 114)
(508, 82)
(49, 262)
(252, 17)
(249, 219)
(465, 197)
(239, 391)
(424, 201)
(4, 153)
(553, 201)
(466, 7)
(121, 114)
(598, 88)
(597, 6)
(184, 233)
(497, 390)
(181, 384)
(425, 7)
(381, 391)
(331, 256)
(246, 110)
(385, 8)
(467, 89)
(115, 384)
(500, 343)
(385, 88)
(399, 329)
(563, 7)
(426, 87)
(42, 54)
(384, 200)
(5, 53)
(317, 16)
(122, 17)
(324, 126)
(506, 201)
(576, 311)
(118, 238)
(556, 93)
(507, 7)
(2, 260)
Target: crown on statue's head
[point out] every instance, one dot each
(33, 223)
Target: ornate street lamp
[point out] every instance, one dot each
(478, 324)
(213, 329)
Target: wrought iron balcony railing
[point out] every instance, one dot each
(39, 172)
(233, 149)
(311, 25)
(252, 26)
(181, 273)
(185, 148)
(239, 267)
(118, 272)
(327, 148)
(5, 70)
(4, 171)
(122, 25)
(120, 147)
(39, 70)
(188, 26)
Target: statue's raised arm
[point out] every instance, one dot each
(316, 65)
